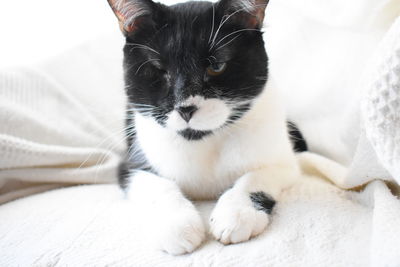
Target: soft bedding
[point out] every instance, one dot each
(61, 125)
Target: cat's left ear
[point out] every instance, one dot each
(249, 13)
(132, 14)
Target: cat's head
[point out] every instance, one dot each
(193, 67)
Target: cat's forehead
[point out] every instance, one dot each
(187, 29)
(190, 20)
(193, 8)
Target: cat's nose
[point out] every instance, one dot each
(186, 112)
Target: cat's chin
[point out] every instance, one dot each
(194, 135)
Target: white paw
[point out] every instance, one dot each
(181, 233)
(234, 219)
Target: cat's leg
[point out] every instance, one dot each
(176, 226)
(244, 211)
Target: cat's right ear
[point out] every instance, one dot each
(249, 13)
(132, 14)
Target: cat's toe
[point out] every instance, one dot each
(232, 222)
(182, 235)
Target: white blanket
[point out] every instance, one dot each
(61, 122)
(61, 125)
(315, 224)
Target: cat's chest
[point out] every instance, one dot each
(203, 169)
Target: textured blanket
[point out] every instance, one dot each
(315, 224)
(61, 122)
(61, 125)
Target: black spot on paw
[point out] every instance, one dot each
(262, 201)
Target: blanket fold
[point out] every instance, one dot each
(50, 133)
(62, 124)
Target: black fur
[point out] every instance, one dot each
(124, 171)
(262, 201)
(298, 142)
(134, 160)
(191, 135)
(179, 36)
(167, 53)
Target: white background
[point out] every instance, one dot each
(32, 30)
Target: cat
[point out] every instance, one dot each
(204, 121)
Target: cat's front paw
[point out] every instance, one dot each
(236, 218)
(181, 233)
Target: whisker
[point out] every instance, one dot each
(226, 36)
(223, 21)
(147, 61)
(213, 22)
(98, 146)
(233, 39)
(136, 45)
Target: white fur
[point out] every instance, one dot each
(175, 122)
(174, 223)
(212, 113)
(235, 219)
(206, 168)
(253, 154)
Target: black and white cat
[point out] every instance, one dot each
(203, 121)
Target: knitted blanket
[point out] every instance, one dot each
(61, 124)
(315, 224)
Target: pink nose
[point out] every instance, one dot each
(186, 112)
